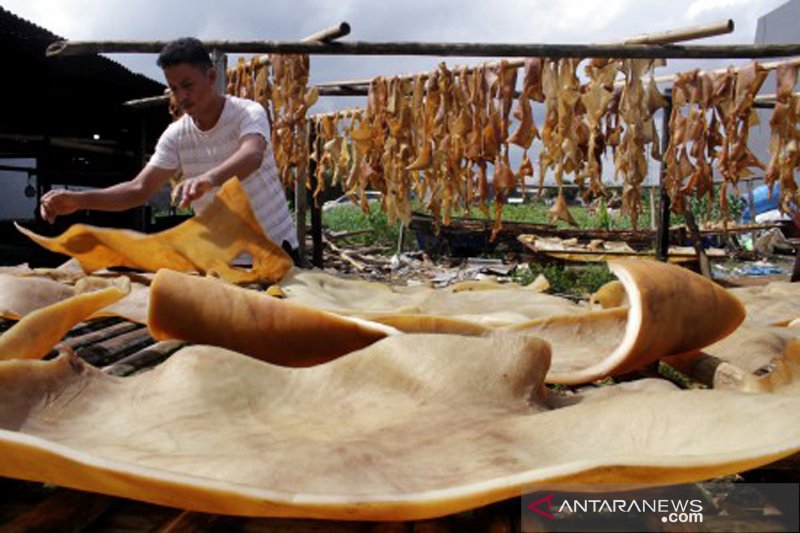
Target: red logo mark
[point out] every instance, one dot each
(534, 506)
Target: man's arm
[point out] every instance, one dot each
(115, 198)
(241, 163)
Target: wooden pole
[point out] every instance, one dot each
(751, 203)
(683, 34)
(697, 242)
(316, 210)
(652, 208)
(662, 228)
(345, 113)
(768, 98)
(300, 202)
(326, 35)
(646, 51)
(771, 65)
(220, 60)
(666, 37)
(330, 34)
(356, 84)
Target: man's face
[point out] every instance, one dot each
(193, 87)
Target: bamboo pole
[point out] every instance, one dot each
(768, 98)
(323, 36)
(345, 113)
(690, 33)
(330, 34)
(150, 101)
(326, 35)
(772, 65)
(153, 47)
(360, 87)
(557, 50)
(666, 37)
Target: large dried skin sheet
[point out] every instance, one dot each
(414, 426)
(37, 332)
(207, 311)
(132, 307)
(20, 295)
(207, 243)
(753, 348)
(493, 305)
(753, 358)
(671, 311)
(774, 304)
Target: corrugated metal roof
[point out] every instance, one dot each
(16, 28)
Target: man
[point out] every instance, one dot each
(217, 137)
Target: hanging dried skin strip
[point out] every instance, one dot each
(636, 108)
(691, 135)
(784, 145)
(713, 132)
(562, 129)
(291, 100)
(457, 124)
(596, 99)
(501, 83)
(734, 105)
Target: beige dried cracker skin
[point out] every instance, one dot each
(208, 242)
(433, 426)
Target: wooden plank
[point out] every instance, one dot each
(300, 525)
(133, 516)
(148, 357)
(94, 324)
(63, 511)
(108, 351)
(101, 335)
(192, 522)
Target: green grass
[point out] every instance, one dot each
(351, 218)
(576, 281)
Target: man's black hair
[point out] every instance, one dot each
(185, 50)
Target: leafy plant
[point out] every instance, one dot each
(577, 281)
(351, 218)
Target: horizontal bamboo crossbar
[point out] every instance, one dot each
(665, 51)
(665, 37)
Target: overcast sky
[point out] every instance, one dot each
(512, 21)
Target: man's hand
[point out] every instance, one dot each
(58, 202)
(190, 189)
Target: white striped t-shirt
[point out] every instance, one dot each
(185, 147)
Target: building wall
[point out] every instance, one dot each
(14, 205)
